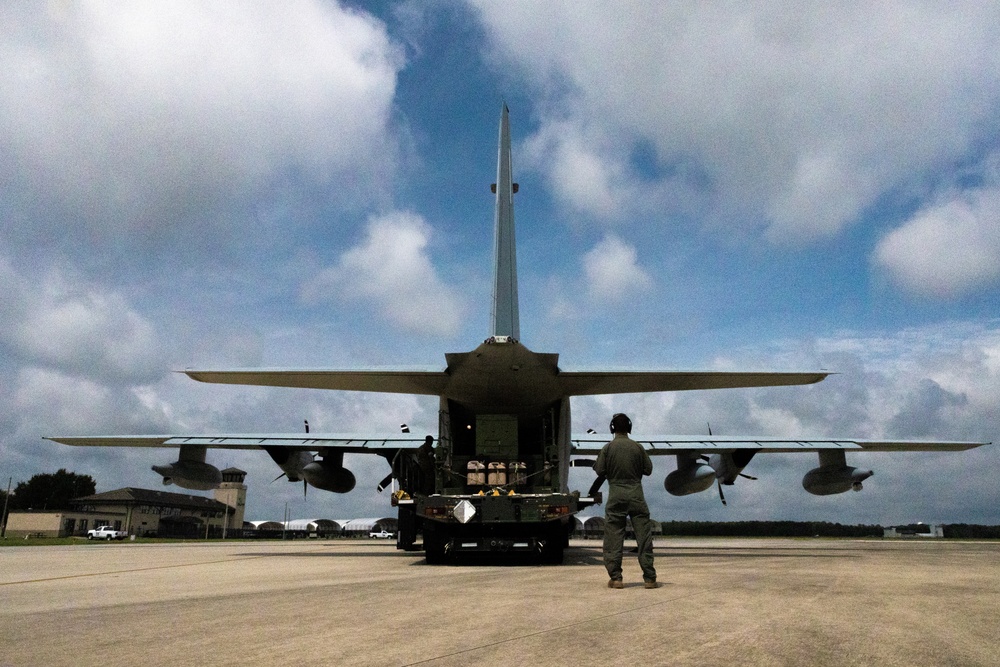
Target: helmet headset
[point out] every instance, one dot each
(620, 423)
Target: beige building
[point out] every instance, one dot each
(58, 523)
(142, 512)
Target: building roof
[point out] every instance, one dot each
(133, 496)
(313, 524)
(360, 524)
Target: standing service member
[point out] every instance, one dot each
(624, 462)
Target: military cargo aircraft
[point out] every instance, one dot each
(496, 481)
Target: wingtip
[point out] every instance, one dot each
(191, 373)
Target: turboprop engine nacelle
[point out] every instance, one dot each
(730, 465)
(691, 476)
(827, 480)
(833, 475)
(290, 461)
(190, 470)
(329, 476)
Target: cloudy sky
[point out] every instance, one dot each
(703, 186)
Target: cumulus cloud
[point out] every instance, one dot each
(787, 123)
(936, 382)
(391, 271)
(613, 272)
(153, 118)
(946, 249)
(76, 328)
(66, 404)
(587, 179)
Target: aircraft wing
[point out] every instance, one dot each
(677, 444)
(349, 443)
(388, 380)
(585, 383)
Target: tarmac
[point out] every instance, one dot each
(729, 602)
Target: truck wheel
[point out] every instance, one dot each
(555, 544)
(406, 534)
(552, 554)
(434, 546)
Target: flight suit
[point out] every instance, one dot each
(624, 462)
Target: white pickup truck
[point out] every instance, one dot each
(381, 535)
(105, 533)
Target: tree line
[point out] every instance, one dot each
(48, 491)
(768, 529)
(814, 529)
(971, 531)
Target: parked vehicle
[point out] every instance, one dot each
(106, 533)
(381, 535)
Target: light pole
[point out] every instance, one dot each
(6, 501)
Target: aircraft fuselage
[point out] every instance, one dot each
(501, 375)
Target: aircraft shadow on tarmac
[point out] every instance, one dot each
(331, 554)
(720, 552)
(574, 555)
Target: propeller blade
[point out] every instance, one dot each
(384, 483)
(277, 478)
(748, 477)
(305, 489)
(722, 496)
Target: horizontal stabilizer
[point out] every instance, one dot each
(391, 381)
(587, 383)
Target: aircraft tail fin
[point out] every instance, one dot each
(505, 315)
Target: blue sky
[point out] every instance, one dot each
(702, 186)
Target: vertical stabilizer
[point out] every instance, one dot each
(505, 317)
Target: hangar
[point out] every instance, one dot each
(591, 527)
(262, 525)
(361, 527)
(316, 527)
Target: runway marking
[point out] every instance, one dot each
(557, 628)
(135, 569)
